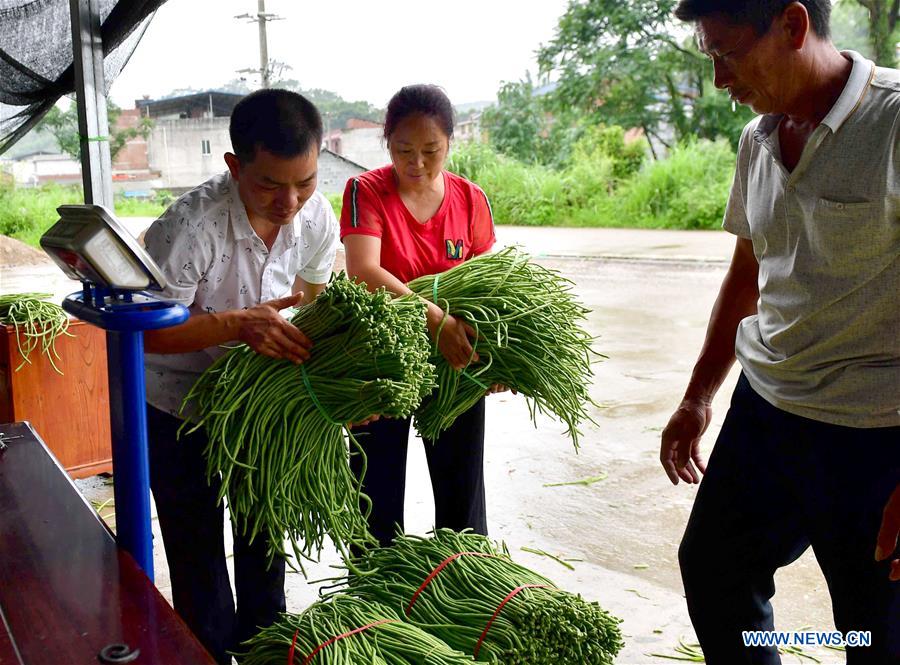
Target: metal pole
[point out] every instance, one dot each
(90, 90)
(131, 466)
(263, 46)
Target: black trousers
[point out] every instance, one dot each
(775, 484)
(192, 524)
(455, 464)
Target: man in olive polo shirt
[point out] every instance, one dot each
(809, 453)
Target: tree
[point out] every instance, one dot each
(883, 15)
(621, 62)
(523, 125)
(850, 27)
(335, 110)
(64, 127)
(714, 116)
(516, 124)
(627, 63)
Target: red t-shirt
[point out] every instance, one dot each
(462, 227)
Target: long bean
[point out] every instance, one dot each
(37, 324)
(346, 631)
(275, 429)
(530, 339)
(462, 603)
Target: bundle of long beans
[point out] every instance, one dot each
(276, 431)
(530, 339)
(38, 323)
(465, 591)
(346, 631)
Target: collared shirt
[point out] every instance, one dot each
(825, 343)
(214, 261)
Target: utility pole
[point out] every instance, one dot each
(263, 46)
(261, 18)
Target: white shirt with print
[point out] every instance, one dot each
(214, 261)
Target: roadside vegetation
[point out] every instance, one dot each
(26, 212)
(605, 182)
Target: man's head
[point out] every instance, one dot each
(758, 47)
(758, 14)
(276, 136)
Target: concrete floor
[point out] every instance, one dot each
(650, 293)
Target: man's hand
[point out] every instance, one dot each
(679, 451)
(453, 342)
(888, 534)
(499, 388)
(265, 331)
(364, 421)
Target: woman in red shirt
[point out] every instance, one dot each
(404, 220)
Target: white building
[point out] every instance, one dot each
(31, 170)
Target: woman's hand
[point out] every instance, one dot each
(453, 337)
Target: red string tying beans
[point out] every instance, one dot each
(331, 641)
(509, 597)
(440, 567)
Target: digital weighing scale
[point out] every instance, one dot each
(90, 245)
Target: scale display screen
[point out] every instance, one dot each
(90, 245)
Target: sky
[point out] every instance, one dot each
(360, 49)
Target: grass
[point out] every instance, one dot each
(26, 213)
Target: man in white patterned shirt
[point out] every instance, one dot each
(236, 250)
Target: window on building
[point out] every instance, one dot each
(205, 148)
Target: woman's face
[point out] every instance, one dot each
(418, 147)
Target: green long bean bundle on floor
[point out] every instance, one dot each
(38, 324)
(347, 631)
(463, 590)
(276, 431)
(530, 339)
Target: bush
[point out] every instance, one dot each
(687, 190)
(601, 143)
(526, 194)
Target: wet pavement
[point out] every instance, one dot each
(650, 293)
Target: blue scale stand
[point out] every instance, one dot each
(125, 313)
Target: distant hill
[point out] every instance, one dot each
(34, 141)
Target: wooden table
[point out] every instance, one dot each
(66, 590)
